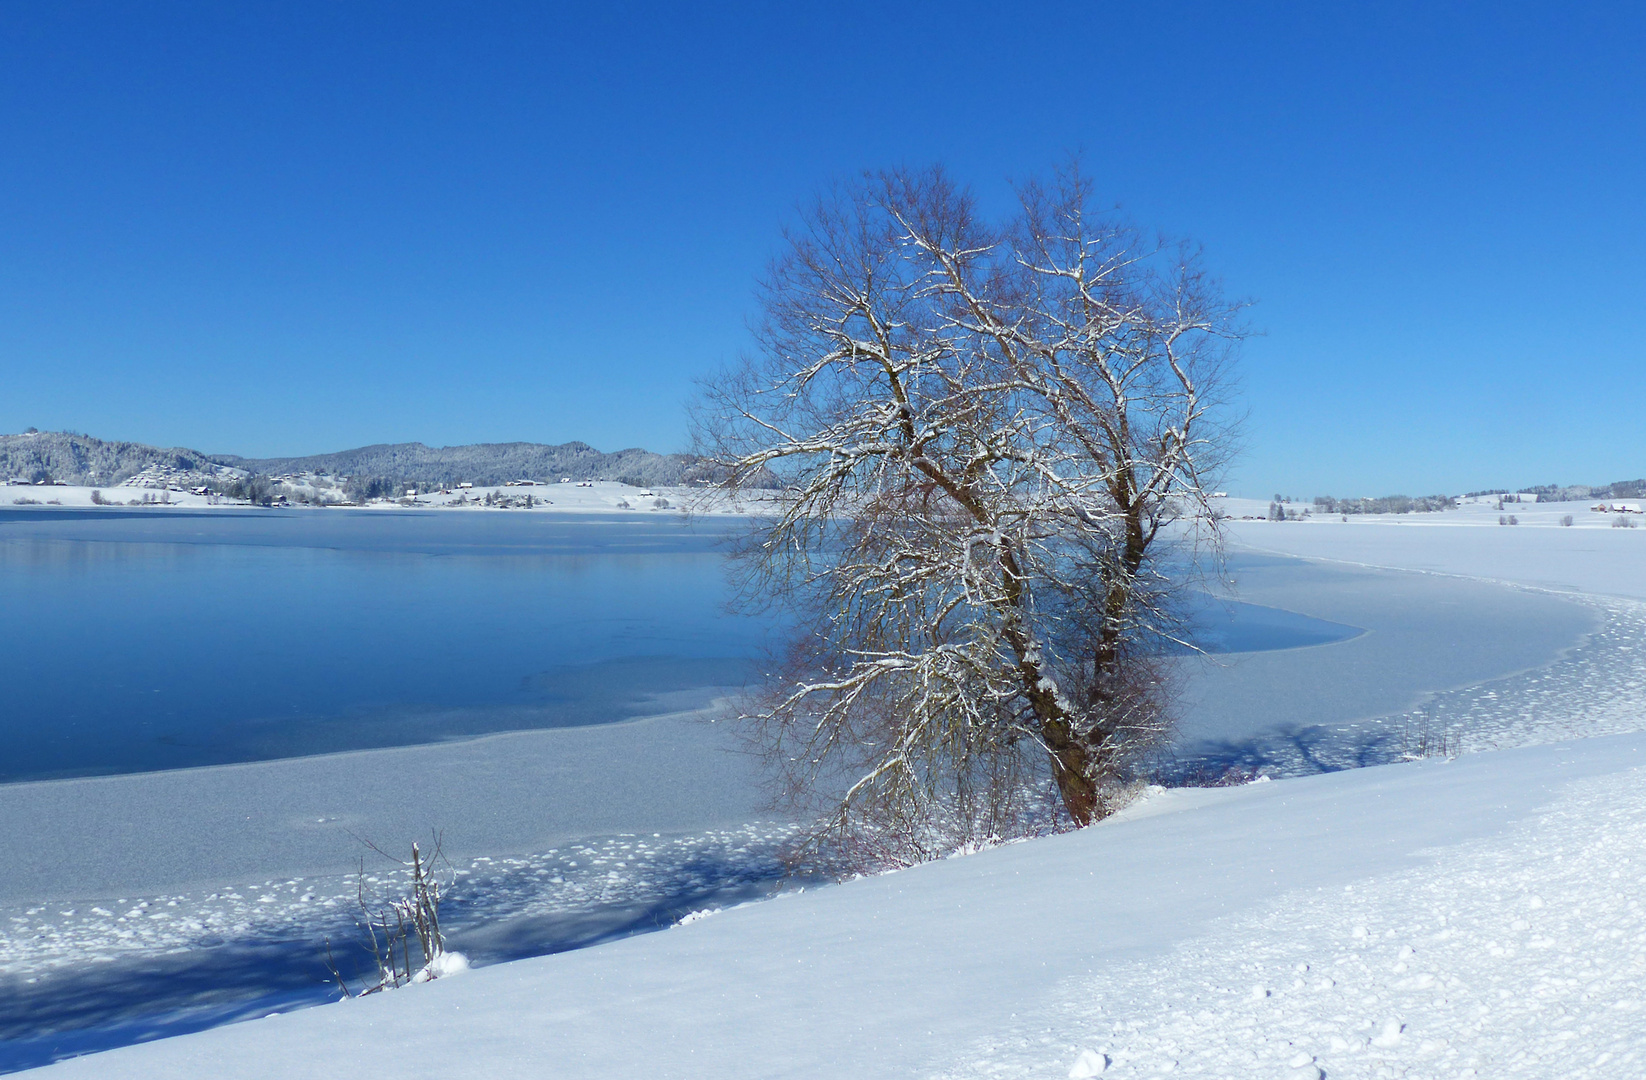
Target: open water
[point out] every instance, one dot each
(140, 640)
(133, 640)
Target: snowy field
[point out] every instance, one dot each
(1591, 556)
(1476, 914)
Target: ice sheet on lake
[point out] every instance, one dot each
(1598, 687)
(589, 875)
(1425, 632)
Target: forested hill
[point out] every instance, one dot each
(1622, 489)
(482, 463)
(67, 458)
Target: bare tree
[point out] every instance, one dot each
(982, 432)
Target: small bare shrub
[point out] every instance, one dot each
(394, 928)
(1425, 738)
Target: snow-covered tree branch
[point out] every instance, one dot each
(983, 431)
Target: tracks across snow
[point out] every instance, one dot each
(615, 871)
(1520, 955)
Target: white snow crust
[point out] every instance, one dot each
(585, 876)
(1516, 955)
(1476, 914)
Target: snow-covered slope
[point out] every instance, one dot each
(80, 459)
(484, 463)
(1413, 920)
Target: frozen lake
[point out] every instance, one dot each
(536, 685)
(1328, 707)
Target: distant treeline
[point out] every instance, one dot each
(71, 458)
(373, 471)
(1387, 504)
(361, 488)
(1623, 489)
(405, 465)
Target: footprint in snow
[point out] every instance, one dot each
(1390, 1035)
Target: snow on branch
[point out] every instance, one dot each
(982, 431)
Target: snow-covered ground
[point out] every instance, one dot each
(1423, 919)
(589, 496)
(1477, 511)
(1418, 920)
(182, 858)
(1592, 556)
(1516, 954)
(583, 877)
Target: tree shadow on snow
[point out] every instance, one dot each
(1286, 750)
(95, 1006)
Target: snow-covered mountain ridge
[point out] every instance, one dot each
(67, 458)
(483, 464)
(81, 460)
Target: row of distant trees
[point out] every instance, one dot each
(1622, 489)
(1387, 504)
(363, 488)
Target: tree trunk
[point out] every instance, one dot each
(1118, 598)
(1071, 762)
(1070, 768)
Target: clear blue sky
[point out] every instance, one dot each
(300, 227)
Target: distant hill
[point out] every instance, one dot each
(483, 463)
(82, 460)
(64, 457)
(1623, 489)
